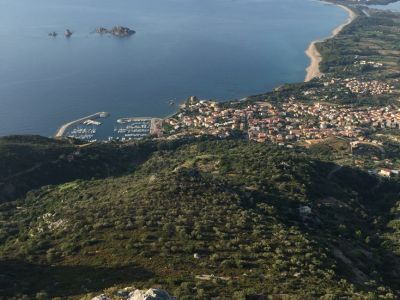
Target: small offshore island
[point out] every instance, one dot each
(118, 31)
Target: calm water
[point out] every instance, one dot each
(219, 49)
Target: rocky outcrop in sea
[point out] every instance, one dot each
(119, 31)
(68, 32)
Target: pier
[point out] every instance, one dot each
(61, 131)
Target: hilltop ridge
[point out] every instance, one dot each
(257, 218)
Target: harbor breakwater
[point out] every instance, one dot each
(64, 128)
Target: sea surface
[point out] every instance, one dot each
(215, 49)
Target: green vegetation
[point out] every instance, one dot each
(29, 162)
(216, 219)
(372, 38)
(367, 50)
(237, 205)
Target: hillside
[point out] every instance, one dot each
(202, 219)
(29, 162)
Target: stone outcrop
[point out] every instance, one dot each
(119, 31)
(67, 32)
(122, 31)
(151, 294)
(101, 297)
(102, 30)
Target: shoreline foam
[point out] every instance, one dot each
(312, 52)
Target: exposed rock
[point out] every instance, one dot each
(119, 31)
(122, 31)
(151, 294)
(67, 32)
(101, 297)
(102, 30)
(211, 277)
(124, 293)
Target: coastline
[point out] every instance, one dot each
(313, 69)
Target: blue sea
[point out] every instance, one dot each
(214, 49)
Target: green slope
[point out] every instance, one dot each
(234, 204)
(28, 162)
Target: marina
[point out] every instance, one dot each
(124, 129)
(83, 133)
(61, 132)
(137, 128)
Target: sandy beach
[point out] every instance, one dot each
(312, 52)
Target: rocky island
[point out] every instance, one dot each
(68, 33)
(118, 31)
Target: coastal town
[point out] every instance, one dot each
(289, 124)
(355, 100)
(305, 118)
(284, 124)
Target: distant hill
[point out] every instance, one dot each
(363, 2)
(201, 219)
(28, 162)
